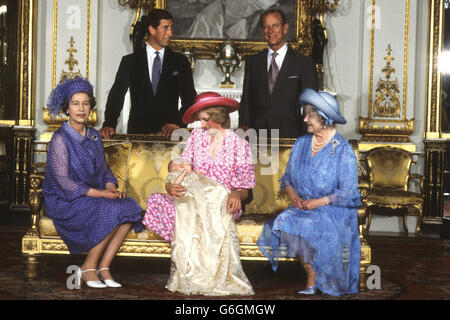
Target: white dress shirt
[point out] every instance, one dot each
(279, 58)
(151, 57)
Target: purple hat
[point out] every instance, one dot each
(65, 90)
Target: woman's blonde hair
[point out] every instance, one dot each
(220, 115)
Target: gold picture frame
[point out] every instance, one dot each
(26, 64)
(207, 48)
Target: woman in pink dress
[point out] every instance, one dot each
(220, 154)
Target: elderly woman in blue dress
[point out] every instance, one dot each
(321, 225)
(79, 189)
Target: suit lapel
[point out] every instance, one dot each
(265, 74)
(166, 62)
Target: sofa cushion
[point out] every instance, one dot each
(394, 197)
(267, 196)
(116, 155)
(141, 169)
(147, 169)
(47, 230)
(249, 228)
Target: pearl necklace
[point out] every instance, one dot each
(317, 146)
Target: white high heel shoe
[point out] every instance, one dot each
(109, 282)
(91, 284)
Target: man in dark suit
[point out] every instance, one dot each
(273, 82)
(156, 77)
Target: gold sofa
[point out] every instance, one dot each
(139, 163)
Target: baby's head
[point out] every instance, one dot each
(179, 164)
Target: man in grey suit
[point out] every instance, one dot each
(273, 81)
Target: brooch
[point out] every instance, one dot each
(94, 138)
(334, 144)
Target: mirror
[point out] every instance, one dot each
(8, 61)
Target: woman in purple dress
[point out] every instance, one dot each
(79, 189)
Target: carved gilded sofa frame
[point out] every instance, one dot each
(387, 185)
(146, 156)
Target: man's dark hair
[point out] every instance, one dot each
(273, 11)
(155, 16)
(153, 19)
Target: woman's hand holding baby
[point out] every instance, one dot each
(234, 202)
(176, 190)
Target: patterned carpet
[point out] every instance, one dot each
(411, 268)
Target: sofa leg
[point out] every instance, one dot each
(363, 277)
(369, 220)
(31, 272)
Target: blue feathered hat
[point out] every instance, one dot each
(325, 104)
(65, 90)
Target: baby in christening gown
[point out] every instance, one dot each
(205, 246)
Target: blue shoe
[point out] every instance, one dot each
(309, 291)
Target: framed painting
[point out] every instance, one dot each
(201, 25)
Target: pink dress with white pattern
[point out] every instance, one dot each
(232, 167)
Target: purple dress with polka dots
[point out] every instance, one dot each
(76, 163)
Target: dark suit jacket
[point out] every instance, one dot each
(260, 110)
(149, 112)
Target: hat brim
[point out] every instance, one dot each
(313, 98)
(189, 115)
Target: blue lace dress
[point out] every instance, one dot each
(327, 237)
(76, 163)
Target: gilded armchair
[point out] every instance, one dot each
(390, 177)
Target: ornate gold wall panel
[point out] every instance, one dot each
(66, 50)
(63, 44)
(387, 121)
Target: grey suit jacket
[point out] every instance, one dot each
(260, 110)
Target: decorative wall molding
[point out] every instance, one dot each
(387, 108)
(27, 59)
(71, 20)
(71, 48)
